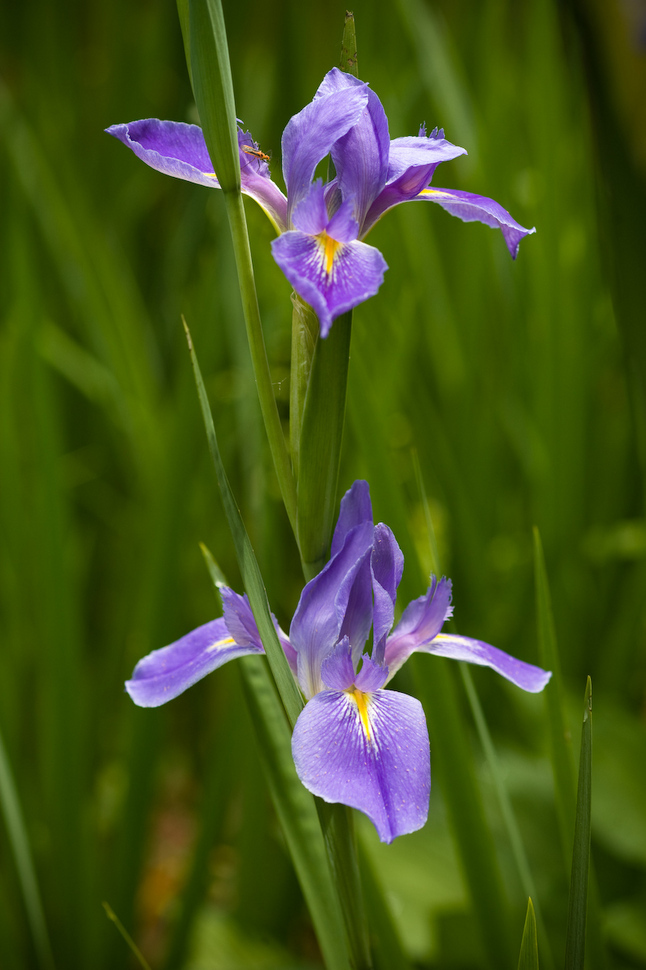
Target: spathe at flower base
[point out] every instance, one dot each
(355, 741)
(321, 228)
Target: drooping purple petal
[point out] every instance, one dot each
(166, 673)
(355, 509)
(361, 155)
(387, 566)
(369, 751)
(310, 134)
(478, 208)
(321, 610)
(521, 674)
(171, 147)
(421, 621)
(332, 277)
(178, 149)
(411, 164)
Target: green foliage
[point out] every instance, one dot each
(509, 381)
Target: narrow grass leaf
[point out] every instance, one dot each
(213, 89)
(247, 562)
(528, 958)
(24, 863)
(109, 912)
(297, 813)
(506, 809)
(578, 898)
(559, 733)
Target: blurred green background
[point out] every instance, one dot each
(519, 389)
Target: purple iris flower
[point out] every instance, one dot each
(321, 226)
(354, 742)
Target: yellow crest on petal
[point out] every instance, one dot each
(361, 700)
(330, 247)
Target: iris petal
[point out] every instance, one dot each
(387, 566)
(310, 134)
(421, 621)
(178, 149)
(331, 286)
(478, 208)
(355, 509)
(369, 751)
(411, 164)
(166, 673)
(522, 674)
(361, 155)
(321, 610)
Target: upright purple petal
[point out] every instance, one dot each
(310, 134)
(478, 208)
(166, 673)
(421, 621)
(332, 277)
(361, 155)
(521, 674)
(321, 610)
(387, 566)
(369, 751)
(355, 509)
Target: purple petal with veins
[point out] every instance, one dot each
(478, 208)
(524, 675)
(168, 672)
(369, 751)
(332, 277)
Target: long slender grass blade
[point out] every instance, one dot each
(559, 733)
(528, 957)
(578, 898)
(24, 863)
(109, 912)
(247, 562)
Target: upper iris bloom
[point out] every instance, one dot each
(354, 742)
(320, 227)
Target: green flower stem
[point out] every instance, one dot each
(255, 336)
(319, 451)
(304, 332)
(337, 823)
(205, 43)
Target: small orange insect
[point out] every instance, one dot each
(256, 153)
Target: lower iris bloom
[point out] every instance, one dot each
(321, 227)
(355, 742)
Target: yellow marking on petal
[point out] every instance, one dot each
(330, 247)
(361, 700)
(221, 643)
(446, 195)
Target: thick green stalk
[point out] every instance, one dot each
(337, 823)
(304, 333)
(320, 444)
